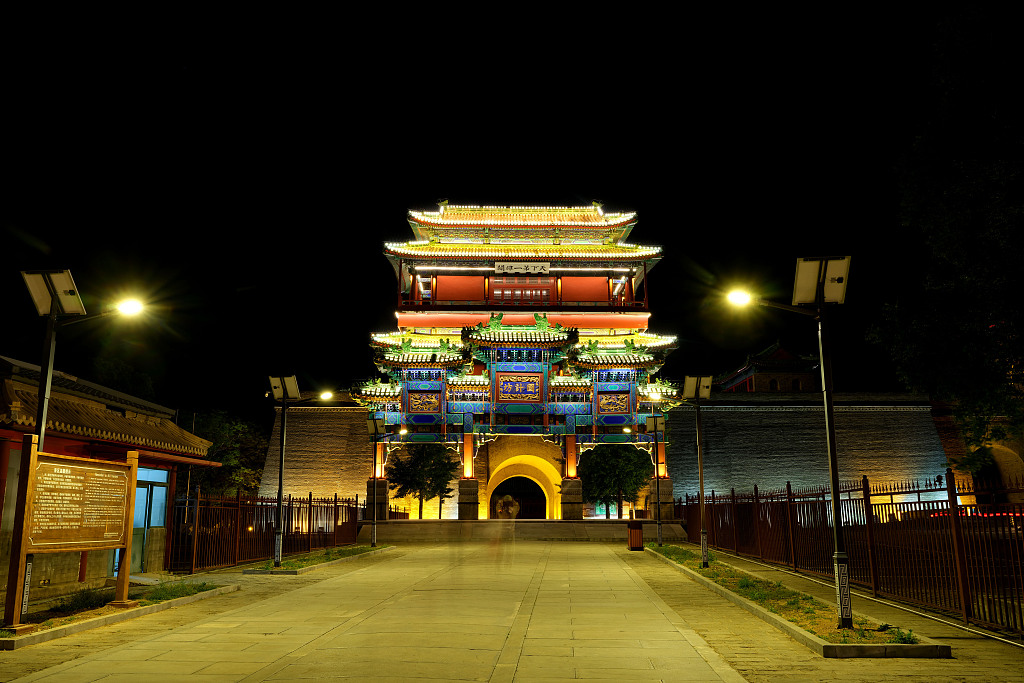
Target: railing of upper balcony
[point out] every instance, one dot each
(492, 304)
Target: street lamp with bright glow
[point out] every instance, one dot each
(738, 297)
(130, 307)
(820, 281)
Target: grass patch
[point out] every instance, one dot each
(93, 602)
(804, 610)
(318, 557)
(175, 589)
(81, 601)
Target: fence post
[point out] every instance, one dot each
(757, 523)
(790, 525)
(195, 534)
(335, 520)
(869, 520)
(958, 547)
(238, 521)
(309, 525)
(735, 523)
(712, 527)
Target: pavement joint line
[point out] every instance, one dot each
(717, 663)
(288, 658)
(507, 664)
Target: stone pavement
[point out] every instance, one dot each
(501, 610)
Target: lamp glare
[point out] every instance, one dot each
(130, 307)
(738, 297)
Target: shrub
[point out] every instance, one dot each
(82, 600)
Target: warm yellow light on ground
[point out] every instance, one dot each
(130, 307)
(326, 396)
(738, 297)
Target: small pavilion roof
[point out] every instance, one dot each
(526, 336)
(470, 381)
(569, 381)
(614, 360)
(376, 391)
(421, 360)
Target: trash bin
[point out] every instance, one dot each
(635, 534)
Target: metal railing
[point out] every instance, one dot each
(413, 304)
(208, 532)
(962, 552)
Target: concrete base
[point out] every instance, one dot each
(454, 530)
(572, 499)
(469, 499)
(382, 499)
(667, 508)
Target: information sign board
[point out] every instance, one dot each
(78, 505)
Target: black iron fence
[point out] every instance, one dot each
(961, 552)
(208, 532)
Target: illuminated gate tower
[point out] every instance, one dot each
(522, 342)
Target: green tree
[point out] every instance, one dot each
(426, 472)
(614, 472)
(241, 448)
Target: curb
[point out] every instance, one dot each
(85, 625)
(314, 567)
(928, 648)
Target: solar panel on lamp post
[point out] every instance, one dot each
(820, 281)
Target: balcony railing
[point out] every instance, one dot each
(498, 304)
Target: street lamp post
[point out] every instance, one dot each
(284, 389)
(656, 423)
(695, 389)
(375, 427)
(819, 281)
(55, 296)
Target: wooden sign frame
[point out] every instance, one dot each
(69, 504)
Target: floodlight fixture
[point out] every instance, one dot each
(829, 273)
(53, 292)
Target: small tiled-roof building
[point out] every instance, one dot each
(88, 420)
(773, 370)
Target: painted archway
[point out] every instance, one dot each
(530, 499)
(529, 457)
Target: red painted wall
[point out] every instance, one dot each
(459, 288)
(584, 289)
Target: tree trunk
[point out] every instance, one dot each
(620, 503)
(607, 509)
(421, 507)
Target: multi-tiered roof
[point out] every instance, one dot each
(520, 244)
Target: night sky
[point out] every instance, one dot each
(246, 197)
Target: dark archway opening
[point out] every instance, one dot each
(526, 492)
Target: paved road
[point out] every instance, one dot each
(495, 611)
